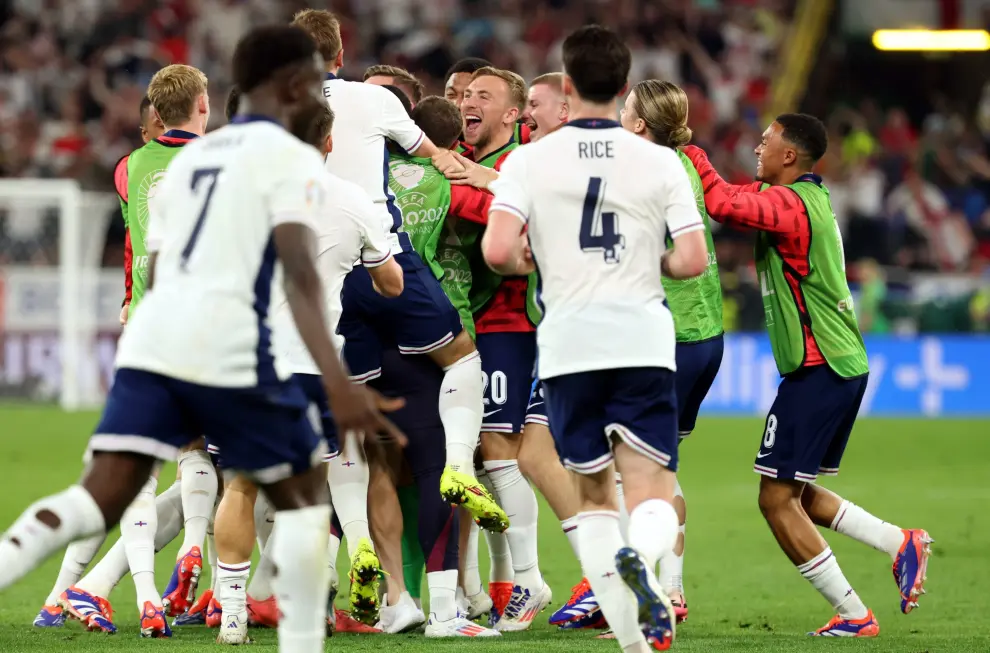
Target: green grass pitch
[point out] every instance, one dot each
(743, 593)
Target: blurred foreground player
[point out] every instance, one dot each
(182, 372)
(821, 356)
(610, 393)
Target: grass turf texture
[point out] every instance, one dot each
(743, 593)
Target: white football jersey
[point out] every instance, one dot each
(348, 231)
(599, 202)
(205, 321)
(364, 116)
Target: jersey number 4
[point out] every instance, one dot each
(599, 231)
(201, 177)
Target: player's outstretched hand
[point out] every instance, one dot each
(358, 409)
(472, 174)
(447, 162)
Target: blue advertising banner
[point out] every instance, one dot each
(929, 376)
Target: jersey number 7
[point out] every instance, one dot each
(599, 231)
(201, 176)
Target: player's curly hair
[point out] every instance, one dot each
(233, 102)
(265, 51)
(806, 132)
(663, 106)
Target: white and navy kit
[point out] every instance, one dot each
(597, 220)
(421, 319)
(348, 233)
(197, 358)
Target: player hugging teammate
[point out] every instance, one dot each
(443, 227)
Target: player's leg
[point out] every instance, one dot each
(199, 494)
(540, 463)
(386, 529)
(141, 406)
(262, 610)
(697, 366)
(234, 539)
(77, 557)
(909, 549)
(508, 359)
(809, 411)
(576, 405)
(266, 435)
(413, 560)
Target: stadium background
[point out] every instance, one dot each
(910, 179)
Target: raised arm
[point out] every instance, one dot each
(775, 209)
(504, 245)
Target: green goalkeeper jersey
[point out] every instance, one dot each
(137, 177)
(696, 303)
(423, 196)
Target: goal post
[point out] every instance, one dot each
(52, 293)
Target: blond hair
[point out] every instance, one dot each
(173, 92)
(324, 28)
(400, 76)
(516, 84)
(553, 80)
(664, 108)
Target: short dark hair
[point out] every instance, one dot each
(403, 98)
(400, 77)
(806, 132)
(145, 105)
(440, 120)
(597, 61)
(264, 51)
(324, 123)
(233, 102)
(469, 65)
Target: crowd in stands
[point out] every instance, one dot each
(908, 197)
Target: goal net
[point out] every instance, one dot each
(59, 307)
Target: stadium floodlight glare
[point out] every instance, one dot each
(931, 40)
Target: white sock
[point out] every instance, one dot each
(461, 409)
(264, 520)
(303, 583)
(472, 576)
(29, 541)
(211, 552)
(443, 589)
(169, 507)
(199, 493)
(260, 588)
(500, 557)
(333, 548)
(824, 574)
(653, 530)
(570, 528)
(517, 497)
(623, 513)
(138, 527)
(230, 590)
(110, 569)
(349, 488)
(77, 557)
(672, 565)
(600, 540)
(854, 522)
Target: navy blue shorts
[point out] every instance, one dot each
(697, 366)
(418, 380)
(809, 424)
(263, 432)
(637, 404)
(319, 407)
(418, 321)
(536, 411)
(508, 361)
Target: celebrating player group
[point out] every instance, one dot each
(395, 316)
